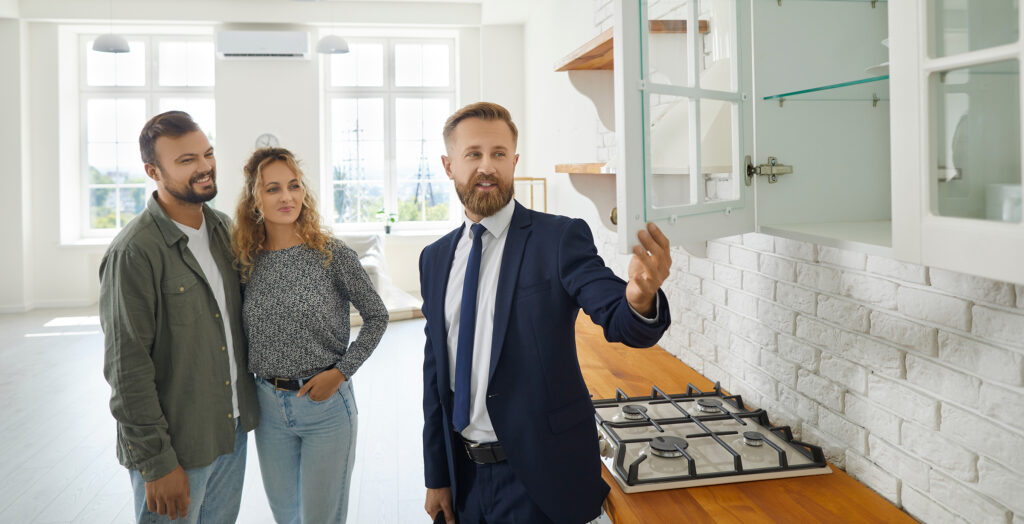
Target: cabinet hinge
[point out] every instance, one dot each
(772, 170)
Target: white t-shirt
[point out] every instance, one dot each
(199, 245)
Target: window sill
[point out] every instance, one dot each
(87, 242)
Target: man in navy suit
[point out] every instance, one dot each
(509, 432)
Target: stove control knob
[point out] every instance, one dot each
(606, 449)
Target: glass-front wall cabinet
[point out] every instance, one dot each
(741, 115)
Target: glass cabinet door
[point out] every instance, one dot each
(683, 118)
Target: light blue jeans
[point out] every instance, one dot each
(306, 452)
(215, 490)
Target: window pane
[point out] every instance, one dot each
(102, 163)
(357, 153)
(132, 201)
(359, 160)
(363, 65)
(425, 65)
(129, 163)
(116, 69)
(358, 202)
(421, 200)
(101, 126)
(960, 26)
(102, 214)
(130, 117)
(202, 111)
(186, 63)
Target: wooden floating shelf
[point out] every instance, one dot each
(597, 53)
(592, 168)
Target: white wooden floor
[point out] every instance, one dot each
(57, 457)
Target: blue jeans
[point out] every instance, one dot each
(215, 490)
(306, 452)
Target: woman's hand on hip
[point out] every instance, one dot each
(323, 385)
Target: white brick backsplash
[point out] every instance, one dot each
(729, 319)
(778, 318)
(968, 286)
(759, 333)
(875, 355)
(904, 401)
(875, 291)
(781, 414)
(969, 504)
(758, 242)
(779, 368)
(703, 347)
(690, 283)
(853, 436)
(794, 350)
(934, 307)
(872, 417)
(847, 314)
(778, 268)
(844, 372)
(743, 258)
(818, 277)
(1020, 295)
(717, 334)
(689, 319)
(987, 361)
(841, 257)
(816, 332)
(984, 436)
(740, 302)
(822, 390)
(834, 450)
(872, 476)
(718, 252)
(759, 285)
(936, 449)
(944, 382)
(905, 333)
(736, 240)
(911, 470)
(806, 408)
(1002, 404)
(999, 326)
(795, 249)
(699, 305)
(762, 382)
(1001, 484)
(745, 349)
(925, 509)
(896, 269)
(713, 292)
(702, 267)
(796, 297)
(717, 373)
(680, 260)
(729, 276)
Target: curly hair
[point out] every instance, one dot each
(249, 234)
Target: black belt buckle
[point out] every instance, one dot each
(489, 453)
(285, 384)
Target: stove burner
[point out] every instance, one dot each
(753, 438)
(633, 412)
(665, 447)
(709, 405)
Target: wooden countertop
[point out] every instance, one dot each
(822, 498)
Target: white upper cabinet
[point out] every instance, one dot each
(956, 135)
(772, 117)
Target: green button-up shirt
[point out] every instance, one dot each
(166, 350)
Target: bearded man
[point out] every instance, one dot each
(509, 432)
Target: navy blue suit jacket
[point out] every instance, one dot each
(536, 397)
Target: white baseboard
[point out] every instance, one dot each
(46, 304)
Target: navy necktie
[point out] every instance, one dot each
(467, 331)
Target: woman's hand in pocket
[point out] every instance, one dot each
(323, 385)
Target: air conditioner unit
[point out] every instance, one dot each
(263, 44)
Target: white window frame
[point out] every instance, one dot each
(151, 92)
(389, 93)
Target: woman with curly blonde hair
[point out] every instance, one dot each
(299, 281)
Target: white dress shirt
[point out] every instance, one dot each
(199, 245)
(479, 428)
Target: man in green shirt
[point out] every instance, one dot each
(170, 307)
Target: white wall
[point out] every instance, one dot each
(13, 289)
(8, 8)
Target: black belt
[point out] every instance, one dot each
(291, 384)
(484, 453)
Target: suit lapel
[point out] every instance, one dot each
(518, 232)
(438, 330)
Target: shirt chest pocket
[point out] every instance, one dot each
(184, 298)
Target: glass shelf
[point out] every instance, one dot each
(872, 89)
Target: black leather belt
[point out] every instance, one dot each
(291, 384)
(484, 453)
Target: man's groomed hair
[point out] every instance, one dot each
(170, 124)
(483, 111)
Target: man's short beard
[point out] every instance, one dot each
(189, 195)
(481, 203)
